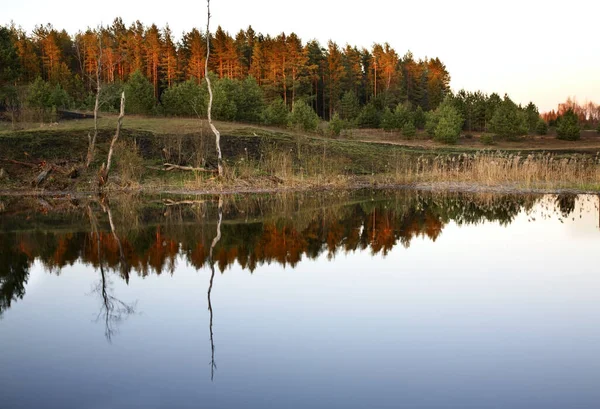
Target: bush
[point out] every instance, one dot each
(419, 118)
(139, 94)
(336, 125)
(369, 116)
(487, 139)
(276, 113)
(303, 117)
(508, 120)
(431, 122)
(409, 130)
(450, 123)
(186, 98)
(568, 126)
(388, 120)
(542, 127)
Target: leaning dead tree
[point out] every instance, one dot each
(210, 96)
(92, 139)
(103, 174)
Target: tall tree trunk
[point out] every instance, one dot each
(210, 96)
(103, 175)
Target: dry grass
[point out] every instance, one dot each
(501, 168)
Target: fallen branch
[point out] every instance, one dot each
(169, 202)
(29, 165)
(41, 177)
(170, 166)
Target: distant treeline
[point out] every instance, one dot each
(258, 79)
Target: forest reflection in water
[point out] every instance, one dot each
(452, 292)
(144, 235)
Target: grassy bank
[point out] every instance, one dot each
(261, 158)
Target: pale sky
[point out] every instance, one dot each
(536, 50)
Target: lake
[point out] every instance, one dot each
(365, 299)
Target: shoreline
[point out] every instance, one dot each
(437, 187)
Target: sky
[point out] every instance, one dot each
(540, 51)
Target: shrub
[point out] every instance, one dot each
(388, 120)
(303, 117)
(508, 120)
(449, 122)
(487, 139)
(276, 113)
(369, 116)
(409, 130)
(568, 126)
(186, 98)
(419, 118)
(542, 127)
(349, 106)
(139, 94)
(336, 125)
(431, 122)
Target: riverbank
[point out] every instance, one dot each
(260, 159)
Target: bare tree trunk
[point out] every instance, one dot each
(210, 95)
(103, 175)
(92, 140)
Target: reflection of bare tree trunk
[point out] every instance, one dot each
(122, 259)
(213, 365)
(113, 310)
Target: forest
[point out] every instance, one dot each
(279, 81)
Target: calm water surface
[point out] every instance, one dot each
(345, 300)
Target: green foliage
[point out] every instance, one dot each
(487, 139)
(337, 125)
(449, 123)
(532, 116)
(403, 115)
(598, 129)
(249, 101)
(303, 117)
(59, 98)
(508, 120)
(369, 116)
(568, 126)
(349, 106)
(409, 130)
(276, 113)
(431, 122)
(39, 95)
(10, 67)
(541, 127)
(419, 118)
(186, 98)
(139, 94)
(388, 120)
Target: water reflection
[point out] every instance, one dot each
(252, 230)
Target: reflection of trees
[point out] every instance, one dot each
(263, 230)
(566, 204)
(112, 310)
(14, 271)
